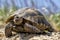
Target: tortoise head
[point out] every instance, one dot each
(15, 18)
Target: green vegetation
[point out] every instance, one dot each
(55, 20)
(5, 12)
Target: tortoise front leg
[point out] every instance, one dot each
(8, 30)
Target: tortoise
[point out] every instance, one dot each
(27, 20)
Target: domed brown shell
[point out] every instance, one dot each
(33, 15)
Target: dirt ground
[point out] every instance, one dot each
(53, 36)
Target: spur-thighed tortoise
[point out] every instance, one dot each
(28, 20)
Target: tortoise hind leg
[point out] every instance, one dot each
(51, 29)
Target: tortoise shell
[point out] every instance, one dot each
(30, 14)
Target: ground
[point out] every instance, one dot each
(53, 36)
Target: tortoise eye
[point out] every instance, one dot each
(17, 17)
